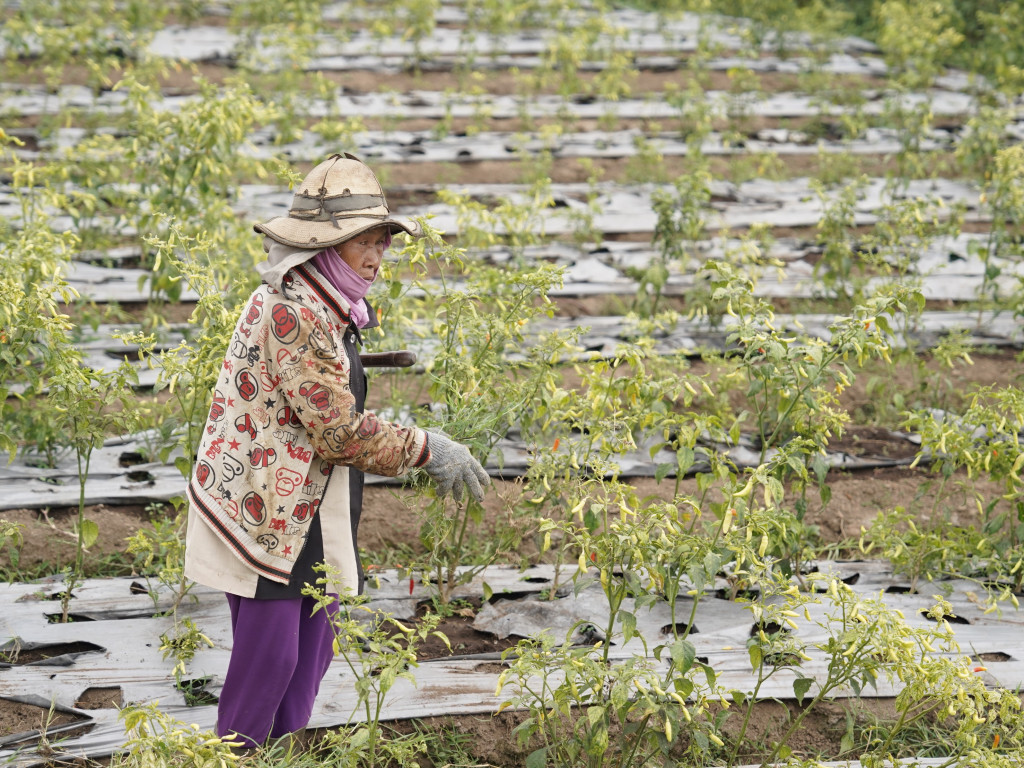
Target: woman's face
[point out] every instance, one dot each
(364, 252)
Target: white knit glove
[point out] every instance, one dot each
(453, 467)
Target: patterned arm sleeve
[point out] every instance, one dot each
(314, 373)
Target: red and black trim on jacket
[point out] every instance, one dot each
(317, 287)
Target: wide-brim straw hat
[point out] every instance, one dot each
(337, 200)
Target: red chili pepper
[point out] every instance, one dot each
(410, 585)
(555, 447)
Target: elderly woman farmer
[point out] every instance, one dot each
(278, 482)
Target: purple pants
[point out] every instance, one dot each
(281, 653)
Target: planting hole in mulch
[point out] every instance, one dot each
(195, 691)
(22, 723)
(463, 638)
(106, 697)
(131, 458)
(57, 618)
(949, 617)
(57, 654)
(678, 628)
(995, 656)
(769, 628)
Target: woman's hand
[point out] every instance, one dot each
(453, 467)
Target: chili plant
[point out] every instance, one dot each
(483, 377)
(481, 395)
(984, 440)
(89, 405)
(926, 552)
(1004, 196)
(155, 738)
(584, 711)
(575, 694)
(377, 650)
(94, 34)
(792, 381)
(11, 539)
(904, 229)
(618, 405)
(914, 125)
(840, 267)
(33, 331)
(936, 680)
(181, 644)
(918, 58)
(680, 226)
(188, 164)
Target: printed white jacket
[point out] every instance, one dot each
(282, 418)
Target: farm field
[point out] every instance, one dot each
(726, 296)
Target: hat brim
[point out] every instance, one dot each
(323, 234)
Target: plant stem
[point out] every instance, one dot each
(761, 677)
(628, 763)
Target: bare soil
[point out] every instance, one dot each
(494, 743)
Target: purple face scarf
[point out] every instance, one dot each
(345, 279)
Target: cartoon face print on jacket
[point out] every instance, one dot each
(254, 509)
(317, 395)
(322, 344)
(285, 323)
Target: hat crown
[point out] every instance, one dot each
(339, 186)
